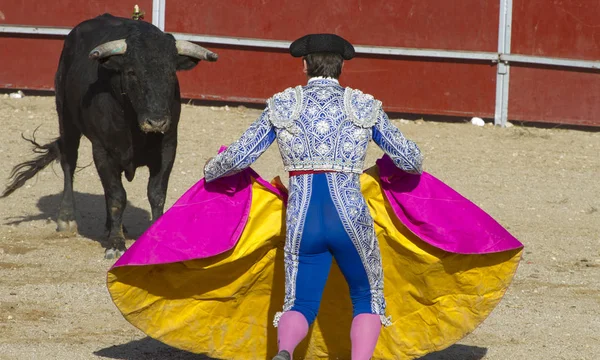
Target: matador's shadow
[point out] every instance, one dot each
(150, 349)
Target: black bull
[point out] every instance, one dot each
(116, 84)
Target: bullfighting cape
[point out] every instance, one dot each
(208, 276)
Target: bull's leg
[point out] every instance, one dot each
(69, 146)
(160, 169)
(116, 200)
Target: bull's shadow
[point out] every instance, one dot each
(90, 213)
(150, 349)
(147, 349)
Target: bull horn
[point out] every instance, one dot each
(117, 47)
(186, 48)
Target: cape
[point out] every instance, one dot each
(208, 276)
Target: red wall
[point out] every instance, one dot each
(29, 62)
(410, 23)
(404, 84)
(66, 12)
(566, 29)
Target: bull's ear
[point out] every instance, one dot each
(114, 63)
(186, 62)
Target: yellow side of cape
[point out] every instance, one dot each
(224, 306)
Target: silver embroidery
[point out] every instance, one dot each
(404, 153)
(326, 140)
(324, 127)
(329, 128)
(300, 193)
(243, 152)
(361, 108)
(358, 223)
(284, 108)
(346, 195)
(321, 126)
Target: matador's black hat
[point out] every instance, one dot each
(315, 43)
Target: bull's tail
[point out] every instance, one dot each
(28, 169)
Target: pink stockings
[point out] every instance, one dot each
(364, 334)
(293, 327)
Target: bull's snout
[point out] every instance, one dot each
(155, 125)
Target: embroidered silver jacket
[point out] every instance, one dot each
(323, 126)
(320, 126)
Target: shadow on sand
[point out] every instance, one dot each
(90, 213)
(150, 349)
(457, 352)
(147, 349)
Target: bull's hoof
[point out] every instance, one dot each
(113, 253)
(67, 227)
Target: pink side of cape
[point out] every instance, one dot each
(209, 218)
(441, 216)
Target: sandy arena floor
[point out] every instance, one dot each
(541, 184)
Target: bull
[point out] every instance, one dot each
(116, 84)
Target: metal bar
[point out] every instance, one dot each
(500, 76)
(161, 15)
(503, 74)
(526, 59)
(225, 40)
(446, 54)
(500, 70)
(508, 27)
(504, 50)
(375, 50)
(507, 50)
(505, 96)
(36, 30)
(277, 44)
(156, 13)
(503, 54)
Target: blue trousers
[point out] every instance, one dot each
(324, 238)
